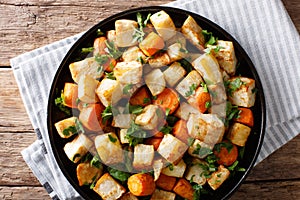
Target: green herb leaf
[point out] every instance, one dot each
(167, 111)
(110, 75)
(139, 33)
(113, 51)
(183, 50)
(209, 38)
(227, 145)
(202, 151)
(101, 59)
(79, 127)
(171, 167)
(191, 91)
(191, 141)
(77, 101)
(111, 138)
(94, 180)
(135, 109)
(87, 50)
(166, 129)
(205, 89)
(99, 32)
(232, 167)
(232, 86)
(232, 112)
(207, 104)
(69, 130)
(146, 100)
(135, 134)
(127, 88)
(107, 114)
(77, 155)
(60, 103)
(120, 175)
(96, 162)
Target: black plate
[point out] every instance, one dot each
(246, 68)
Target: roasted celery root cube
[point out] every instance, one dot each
(70, 95)
(242, 91)
(149, 118)
(128, 72)
(217, 93)
(109, 148)
(174, 73)
(122, 120)
(86, 89)
(196, 172)
(184, 111)
(151, 44)
(225, 56)
(159, 60)
(176, 52)
(217, 178)
(87, 66)
(78, 148)
(175, 170)
(206, 127)
(161, 194)
(157, 167)
(187, 86)
(209, 68)
(122, 136)
(143, 156)
(155, 81)
(109, 91)
(177, 38)
(108, 188)
(87, 173)
(133, 54)
(66, 127)
(163, 24)
(90, 117)
(193, 32)
(238, 134)
(171, 148)
(129, 196)
(125, 30)
(200, 149)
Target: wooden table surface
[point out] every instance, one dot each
(29, 24)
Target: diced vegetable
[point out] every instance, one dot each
(159, 60)
(163, 24)
(86, 89)
(140, 97)
(171, 148)
(238, 134)
(184, 189)
(193, 32)
(109, 149)
(167, 99)
(151, 44)
(143, 156)
(226, 153)
(200, 149)
(125, 30)
(188, 85)
(200, 99)
(70, 95)
(128, 72)
(160, 194)
(87, 173)
(66, 127)
(218, 177)
(166, 182)
(155, 82)
(90, 117)
(175, 170)
(141, 184)
(245, 117)
(150, 118)
(180, 131)
(155, 141)
(108, 188)
(174, 73)
(109, 91)
(196, 173)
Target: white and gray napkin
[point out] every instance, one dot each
(262, 27)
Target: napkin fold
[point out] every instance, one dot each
(262, 27)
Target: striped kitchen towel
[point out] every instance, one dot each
(262, 27)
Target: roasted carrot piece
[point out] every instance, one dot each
(90, 117)
(110, 64)
(141, 184)
(199, 99)
(245, 117)
(167, 99)
(155, 141)
(140, 97)
(180, 131)
(226, 153)
(99, 45)
(70, 95)
(166, 182)
(157, 133)
(184, 189)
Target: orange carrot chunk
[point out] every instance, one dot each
(226, 153)
(140, 97)
(184, 189)
(180, 131)
(90, 117)
(168, 99)
(141, 184)
(166, 182)
(155, 141)
(245, 117)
